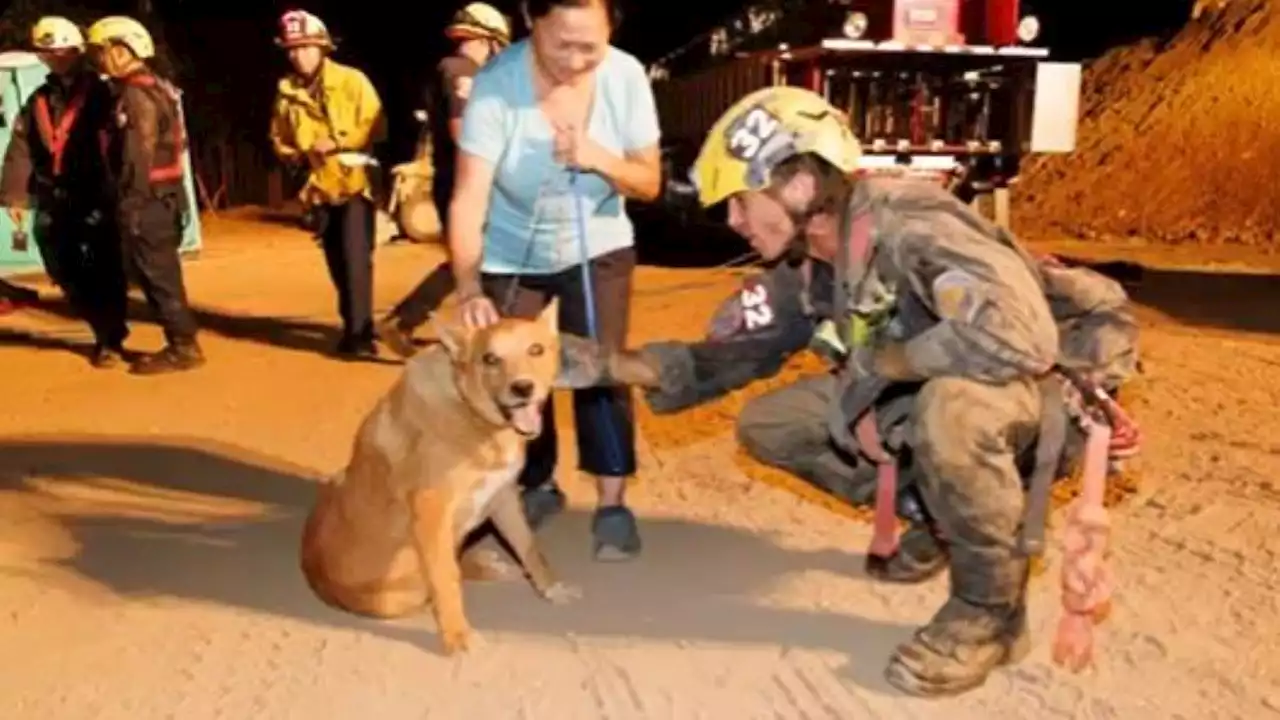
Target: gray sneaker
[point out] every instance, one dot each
(541, 503)
(614, 534)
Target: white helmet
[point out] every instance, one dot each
(56, 33)
(299, 28)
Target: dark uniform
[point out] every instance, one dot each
(55, 162)
(145, 154)
(446, 102)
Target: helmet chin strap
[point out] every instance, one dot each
(798, 246)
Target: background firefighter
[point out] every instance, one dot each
(480, 32)
(145, 147)
(933, 303)
(329, 115)
(54, 164)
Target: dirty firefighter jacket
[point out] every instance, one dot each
(55, 159)
(341, 104)
(146, 147)
(964, 300)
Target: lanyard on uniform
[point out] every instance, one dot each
(55, 136)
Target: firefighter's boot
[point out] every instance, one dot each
(106, 356)
(982, 626)
(921, 556)
(175, 357)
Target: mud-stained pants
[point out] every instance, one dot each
(967, 437)
(787, 428)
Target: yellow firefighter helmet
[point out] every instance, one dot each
(56, 33)
(123, 30)
(479, 20)
(764, 129)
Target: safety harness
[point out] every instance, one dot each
(55, 136)
(165, 94)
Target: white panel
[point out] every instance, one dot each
(1056, 112)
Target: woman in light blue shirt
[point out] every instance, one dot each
(558, 119)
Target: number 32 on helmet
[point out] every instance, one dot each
(763, 130)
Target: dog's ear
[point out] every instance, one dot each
(550, 316)
(453, 333)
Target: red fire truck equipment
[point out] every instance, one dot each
(952, 89)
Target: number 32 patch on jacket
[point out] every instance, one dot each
(757, 308)
(958, 296)
(747, 311)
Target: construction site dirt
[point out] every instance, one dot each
(148, 563)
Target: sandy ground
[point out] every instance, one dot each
(150, 528)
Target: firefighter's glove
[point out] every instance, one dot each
(585, 363)
(676, 388)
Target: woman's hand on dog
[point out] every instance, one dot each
(478, 312)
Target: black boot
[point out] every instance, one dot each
(106, 356)
(921, 556)
(356, 347)
(175, 357)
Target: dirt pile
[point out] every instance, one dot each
(1178, 140)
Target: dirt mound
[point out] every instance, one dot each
(1178, 140)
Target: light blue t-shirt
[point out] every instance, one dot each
(531, 227)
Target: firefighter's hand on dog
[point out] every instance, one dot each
(584, 364)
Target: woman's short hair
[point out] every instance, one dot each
(537, 9)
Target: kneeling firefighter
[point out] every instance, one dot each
(54, 165)
(961, 361)
(145, 147)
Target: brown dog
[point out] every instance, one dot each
(437, 456)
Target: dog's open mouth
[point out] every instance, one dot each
(523, 416)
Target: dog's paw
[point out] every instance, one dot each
(488, 565)
(457, 642)
(562, 593)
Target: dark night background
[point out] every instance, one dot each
(224, 58)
